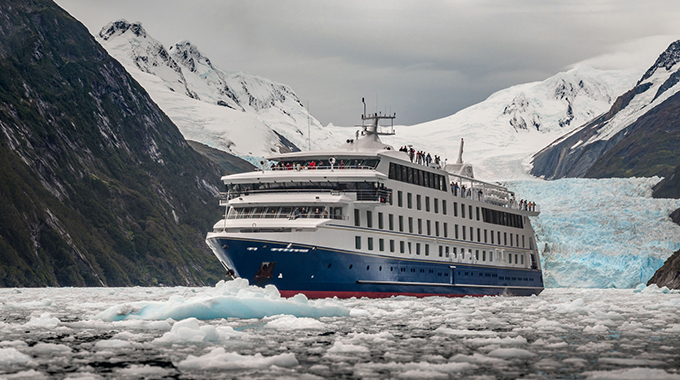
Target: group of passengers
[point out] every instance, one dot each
(463, 192)
(527, 205)
(314, 165)
(308, 212)
(421, 157)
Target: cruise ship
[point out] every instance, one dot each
(365, 220)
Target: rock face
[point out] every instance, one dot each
(98, 186)
(638, 136)
(669, 274)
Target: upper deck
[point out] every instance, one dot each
(363, 166)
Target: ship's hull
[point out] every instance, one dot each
(320, 272)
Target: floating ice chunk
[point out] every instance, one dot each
(547, 363)
(83, 376)
(476, 358)
(359, 313)
(631, 362)
(576, 306)
(144, 371)
(639, 288)
(189, 331)
(457, 332)
(112, 344)
(595, 347)
(673, 329)
(290, 322)
(374, 338)
(632, 374)
(232, 299)
(219, 359)
(596, 330)
(45, 320)
(576, 362)
(339, 347)
(518, 340)
(50, 349)
(30, 374)
(11, 356)
(510, 353)
(423, 374)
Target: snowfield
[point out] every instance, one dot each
(69, 333)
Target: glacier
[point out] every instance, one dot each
(600, 233)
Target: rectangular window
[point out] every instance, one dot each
(472, 236)
(370, 244)
(400, 198)
(483, 255)
(470, 211)
(510, 258)
(436, 228)
(381, 244)
(369, 219)
(455, 231)
(380, 221)
(357, 219)
(492, 238)
(427, 250)
(491, 256)
(517, 240)
(391, 245)
(505, 238)
(485, 236)
(499, 238)
(446, 229)
(428, 225)
(476, 254)
(436, 206)
(462, 210)
(464, 229)
(410, 225)
(427, 204)
(401, 223)
(477, 211)
(522, 257)
(420, 226)
(417, 248)
(357, 242)
(455, 209)
(401, 246)
(409, 200)
(479, 236)
(447, 251)
(418, 202)
(443, 206)
(441, 251)
(523, 246)
(390, 221)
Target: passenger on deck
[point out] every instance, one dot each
(295, 214)
(342, 164)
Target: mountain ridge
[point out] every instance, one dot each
(602, 147)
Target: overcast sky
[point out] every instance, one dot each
(421, 59)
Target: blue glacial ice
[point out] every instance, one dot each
(231, 299)
(600, 232)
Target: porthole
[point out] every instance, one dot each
(329, 265)
(350, 266)
(380, 268)
(368, 267)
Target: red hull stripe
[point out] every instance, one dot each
(330, 294)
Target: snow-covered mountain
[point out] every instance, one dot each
(502, 132)
(640, 131)
(233, 111)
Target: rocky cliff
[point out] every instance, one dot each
(638, 136)
(98, 186)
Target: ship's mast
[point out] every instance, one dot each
(375, 127)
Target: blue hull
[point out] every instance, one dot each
(319, 272)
